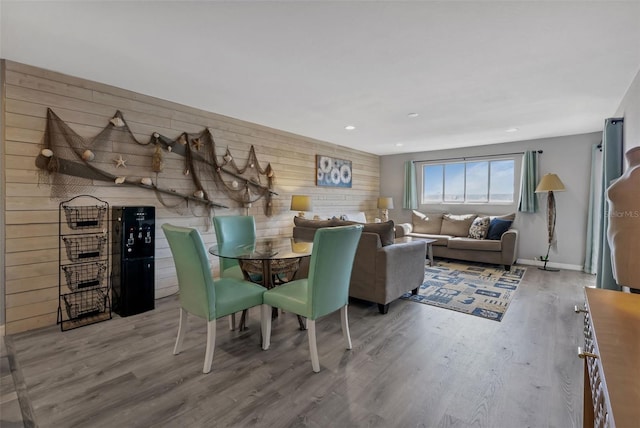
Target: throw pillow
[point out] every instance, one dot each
(497, 227)
(429, 223)
(385, 230)
(457, 225)
(479, 228)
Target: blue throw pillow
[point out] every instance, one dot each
(497, 227)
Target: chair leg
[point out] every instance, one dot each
(265, 324)
(244, 318)
(211, 344)
(182, 328)
(344, 318)
(232, 321)
(383, 309)
(313, 347)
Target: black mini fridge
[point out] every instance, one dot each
(132, 266)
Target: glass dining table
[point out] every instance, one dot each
(276, 260)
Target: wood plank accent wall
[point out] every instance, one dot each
(31, 214)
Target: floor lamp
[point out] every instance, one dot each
(550, 183)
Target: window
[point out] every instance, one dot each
(468, 182)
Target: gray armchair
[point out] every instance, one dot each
(383, 270)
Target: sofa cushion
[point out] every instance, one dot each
(385, 230)
(497, 227)
(456, 225)
(479, 228)
(426, 223)
(474, 244)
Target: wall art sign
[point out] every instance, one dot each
(332, 172)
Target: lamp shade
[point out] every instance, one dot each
(301, 203)
(550, 183)
(385, 203)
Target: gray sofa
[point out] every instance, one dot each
(453, 240)
(382, 270)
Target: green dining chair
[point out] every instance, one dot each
(325, 290)
(235, 228)
(200, 295)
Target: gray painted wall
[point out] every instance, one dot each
(569, 157)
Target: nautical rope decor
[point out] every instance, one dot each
(71, 163)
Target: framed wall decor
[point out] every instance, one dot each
(332, 172)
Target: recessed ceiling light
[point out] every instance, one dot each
(349, 127)
(511, 130)
(412, 115)
(399, 144)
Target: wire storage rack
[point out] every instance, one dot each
(83, 284)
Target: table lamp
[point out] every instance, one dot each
(550, 183)
(385, 204)
(301, 203)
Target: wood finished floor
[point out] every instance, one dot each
(417, 366)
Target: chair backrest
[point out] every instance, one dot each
(234, 228)
(197, 293)
(334, 249)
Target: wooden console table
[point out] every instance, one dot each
(611, 359)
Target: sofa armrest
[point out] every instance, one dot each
(509, 245)
(403, 229)
(400, 268)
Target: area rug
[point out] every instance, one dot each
(472, 288)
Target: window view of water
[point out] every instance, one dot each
(469, 182)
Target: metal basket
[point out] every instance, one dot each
(85, 217)
(84, 275)
(85, 303)
(84, 248)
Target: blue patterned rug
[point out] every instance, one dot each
(472, 288)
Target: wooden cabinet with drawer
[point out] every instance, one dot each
(612, 359)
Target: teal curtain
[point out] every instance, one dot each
(410, 200)
(593, 218)
(611, 170)
(528, 183)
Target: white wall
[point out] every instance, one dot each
(569, 157)
(630, 109)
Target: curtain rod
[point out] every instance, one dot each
(473, 157)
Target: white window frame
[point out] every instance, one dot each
(516, 180)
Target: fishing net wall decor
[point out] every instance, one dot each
(72, 163)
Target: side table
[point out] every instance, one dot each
(428, 241)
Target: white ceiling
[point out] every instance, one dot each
(470, 70)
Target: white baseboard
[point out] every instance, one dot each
(550, 264)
